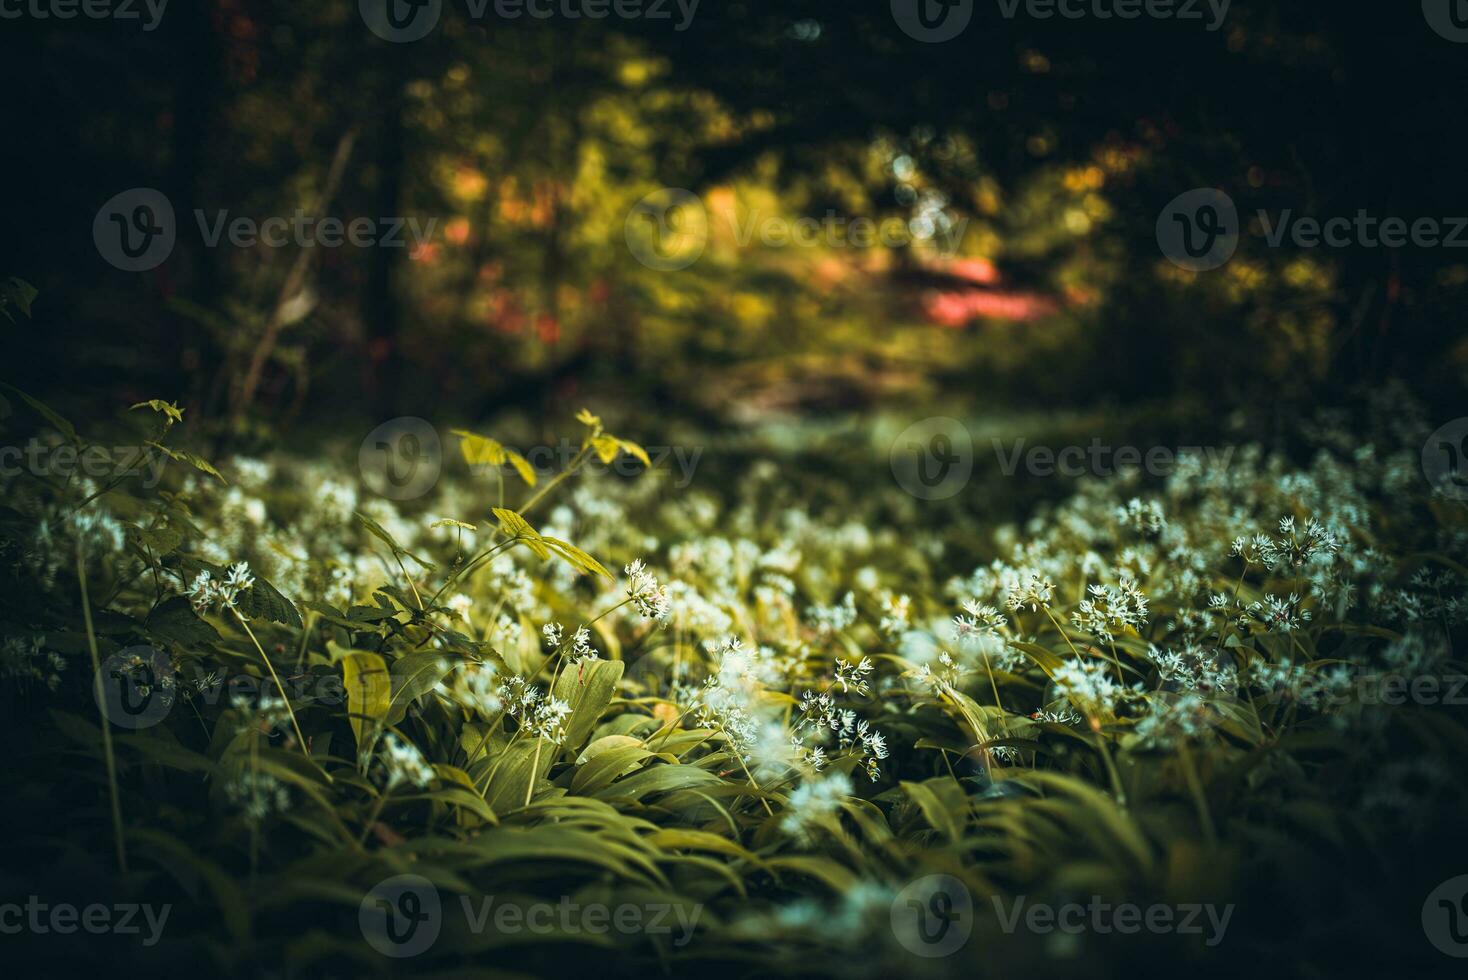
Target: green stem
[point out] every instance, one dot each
(81, 574)
(276, 678)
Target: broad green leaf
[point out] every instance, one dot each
(184, 456)
(369, 694)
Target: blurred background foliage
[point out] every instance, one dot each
(1041, 151)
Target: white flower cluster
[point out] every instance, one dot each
(206, 593)
(403, 763)
(538, 713)
(1111, 607)
(257, 794)
(814, 802)
(1088, 684)
(650, 598)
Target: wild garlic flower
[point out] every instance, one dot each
(814, 802)
(403, 763)
(1172, 718)
(581, 648)
(978, 622)
(1145, 518)
(269, 712)
(257, 794)
(538, 713)
(896, 610)
(474, 688)
(1089, 684)
(27, 660)
(650, 598)
(1035, 591)
(551, 633)
(461, 605)
(1111, 607)
(1284, 615)
(1063, 715)
(205, 592)
(945, 677)
(855, 676)
(1194, 668)
(833, 619)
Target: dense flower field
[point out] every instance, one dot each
(781, 723)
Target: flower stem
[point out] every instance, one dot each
(81, 574)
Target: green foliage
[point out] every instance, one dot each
(1147, 693)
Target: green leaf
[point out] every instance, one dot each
(577, 558)
(517, 527)
(380, 532)
(413, 676)
(264, 601)
(57, 422)
(588, 689)
(17, 293)
(484, 451)
(184, 456)
(174, 619)
(369, 694)
(169, 409)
